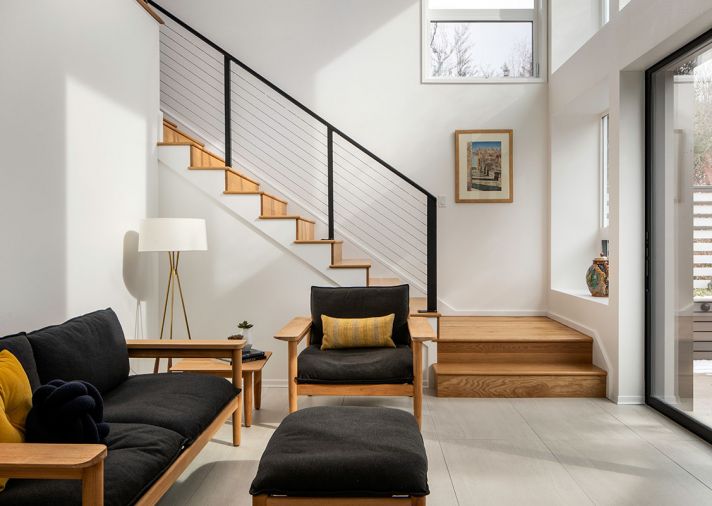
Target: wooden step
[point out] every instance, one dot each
(507, 328)
(513, 351)
(519, 380)
(418, 305)
(171, 134)
(200, 157)
(384, 282)
(236, 182)
(272, 206)
(304, 227)
(352, 263)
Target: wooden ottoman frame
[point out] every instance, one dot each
(269, 500)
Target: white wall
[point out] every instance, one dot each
(635, 38)
(78, 130)
(357, 63)
(573, 22)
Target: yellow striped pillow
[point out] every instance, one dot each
(357, 332)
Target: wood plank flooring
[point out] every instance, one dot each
(498, 452)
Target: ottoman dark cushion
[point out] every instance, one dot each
(19, 346)
(90, 348)
(138, 455)
(355, 365)
(361, 302)
(182, 402)
(344, 451)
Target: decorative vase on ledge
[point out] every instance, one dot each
(597, 277)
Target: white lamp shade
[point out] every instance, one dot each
(172, 234)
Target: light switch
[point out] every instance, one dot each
(442, 201)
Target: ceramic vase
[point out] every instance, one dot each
(597, 277)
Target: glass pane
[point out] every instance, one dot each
(681, 236)
(481, 4)
(605, 195)
(479, 49)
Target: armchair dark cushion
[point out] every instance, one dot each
(361, 302)
(182, 402)
(356, 366)
(138, 455)
(19, 346)
(90, 348)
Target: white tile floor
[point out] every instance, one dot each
(499, 452)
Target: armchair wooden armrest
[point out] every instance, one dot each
(58, 462)
(295, 330)
(293, 333)
(420, 330)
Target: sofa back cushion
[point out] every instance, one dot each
(91, 348)
(361, 302)
(19, 346)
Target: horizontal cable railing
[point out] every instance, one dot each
(261, 129)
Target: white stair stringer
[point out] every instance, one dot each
(247, 207)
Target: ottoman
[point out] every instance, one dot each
(341, 455)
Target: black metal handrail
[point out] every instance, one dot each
(431, 219)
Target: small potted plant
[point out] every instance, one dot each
(244, 332)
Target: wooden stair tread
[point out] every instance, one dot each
(291, 217)
(384, 282)
(255, 193)
(417, 304)
(517, 369)
(319, 241)
(182, 143)
(507, 329)
(352, 263)
(243, 176)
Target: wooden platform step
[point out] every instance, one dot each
(418, 306)
(384, 282)
(519, 380)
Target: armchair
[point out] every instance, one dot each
(357, 371)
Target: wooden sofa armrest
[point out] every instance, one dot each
(295, 330)
(58, 462)
(420, 330)
(186, 348)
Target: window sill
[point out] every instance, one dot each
(583, 294)
(496, 80)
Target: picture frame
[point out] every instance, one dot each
(484, 166)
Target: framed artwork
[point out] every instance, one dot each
(483, 166)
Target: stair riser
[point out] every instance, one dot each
(305, 230)
(520, 386)
(200, 158)
(336, 253)
(273, 207)
(515, 352)
(235, 183)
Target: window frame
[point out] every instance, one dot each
(604, 137)
(537, 16)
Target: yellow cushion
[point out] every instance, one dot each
(357, 332)
(15, 401)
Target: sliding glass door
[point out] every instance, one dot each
(679, 236)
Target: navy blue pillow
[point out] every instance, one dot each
(66, 412)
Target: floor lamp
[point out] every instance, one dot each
(173, 236)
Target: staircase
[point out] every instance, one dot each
(181, 151)
(515, 357)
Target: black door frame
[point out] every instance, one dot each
(691, 424)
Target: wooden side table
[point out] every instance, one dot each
(251, 377)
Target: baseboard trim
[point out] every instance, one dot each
(630, 399)
(493, 312)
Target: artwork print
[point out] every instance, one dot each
(483, 169)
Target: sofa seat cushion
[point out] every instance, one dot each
(91, 348)
(138, 455)
(355, 365)
(183, 402)
(347, 451)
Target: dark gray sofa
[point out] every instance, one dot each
(153, 418)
